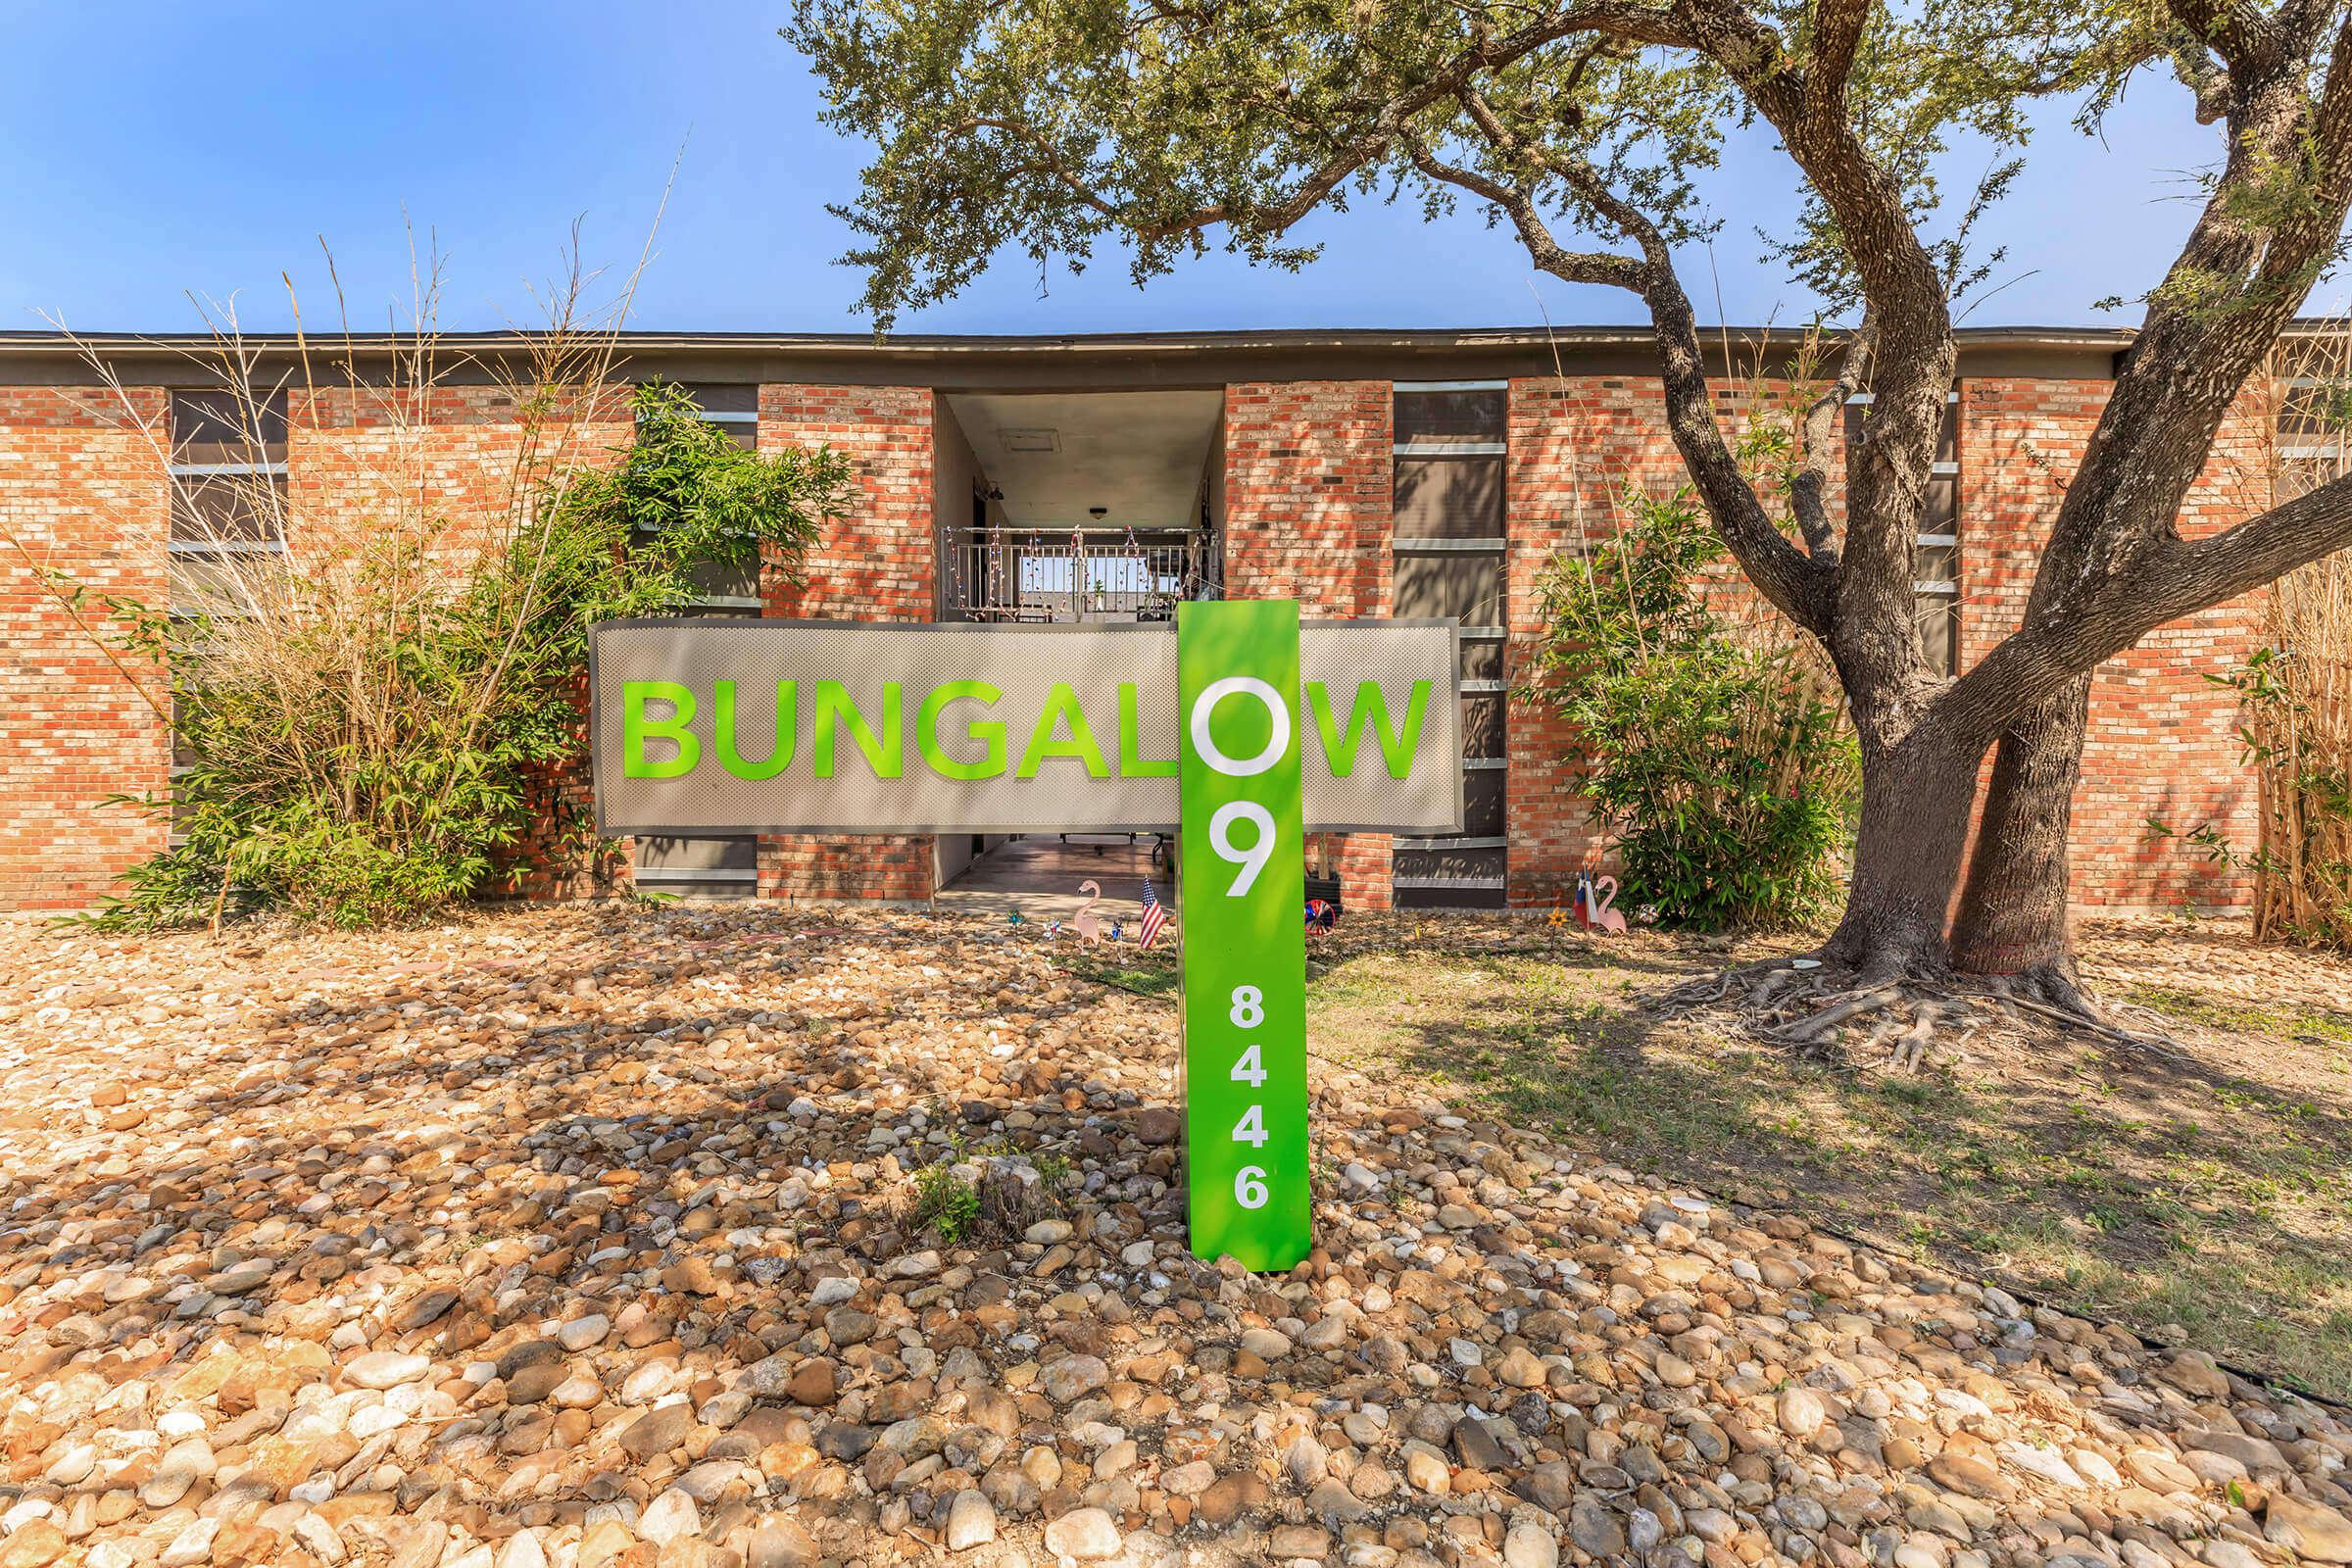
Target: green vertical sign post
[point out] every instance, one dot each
(1244, 890)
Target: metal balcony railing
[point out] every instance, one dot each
(1081, 574)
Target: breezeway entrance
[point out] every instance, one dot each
(1066, 509)
(1039, 877)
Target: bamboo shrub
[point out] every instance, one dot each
(2297, 689)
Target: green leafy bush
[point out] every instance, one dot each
(944, 1201)
(1715, 750)
(368, 727)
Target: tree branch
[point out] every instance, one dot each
(1876, 642)
(2248, 41)
(2197, 574)
(1548, 255)
(1801, 587)
(2199, 343)
(2169, 579)
(1808, 489)
(1836, 33)
(1616, 20)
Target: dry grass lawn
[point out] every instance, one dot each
(2203, 1197)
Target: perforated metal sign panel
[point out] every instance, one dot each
(764, 726)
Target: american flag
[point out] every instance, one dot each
(1156, 915)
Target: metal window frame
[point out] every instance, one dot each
(1954, 396)
(226, 470)
(225, 547)
(277, 402)
(1476, 545)
(1439, 447)
(708, 875)
(200, 549)
(1943, 468)
(1437, 545)
(689, 874)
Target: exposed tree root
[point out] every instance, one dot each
(1855, 1004)
(1899, 1024)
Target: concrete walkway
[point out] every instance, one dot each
(1040, 877)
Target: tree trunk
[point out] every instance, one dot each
(1915, 808)
(2013, 914)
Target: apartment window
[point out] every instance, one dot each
(727, 589)
(228, 494)
(2314, 435)
(227, 472)
(713, 867)
(1937, 588)
(732, 405)
(1449, 565)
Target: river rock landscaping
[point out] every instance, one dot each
(593, 1236)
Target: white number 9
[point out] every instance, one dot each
(1252, 860)
(1249, 1187)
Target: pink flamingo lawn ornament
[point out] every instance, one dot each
(1605, 917)
(1088, 925)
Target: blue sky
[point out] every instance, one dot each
(157, 149)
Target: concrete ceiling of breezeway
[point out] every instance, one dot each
(1138, 454)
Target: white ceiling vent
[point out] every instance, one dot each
(1030, 440)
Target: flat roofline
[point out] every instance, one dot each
(1420, 339)
(1079, 361)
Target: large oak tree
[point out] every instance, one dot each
(1053, 126)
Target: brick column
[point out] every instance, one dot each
(2163, 740)
(82, 489)
(1307, 476)
(879, 563)
(1575, 443)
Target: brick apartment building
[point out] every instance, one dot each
(1365, 473)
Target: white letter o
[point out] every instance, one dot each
(1206, 705)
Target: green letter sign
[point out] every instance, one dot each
(1238, 726)
(1244, 848)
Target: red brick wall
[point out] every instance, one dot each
(1306, 481)
(82, 491)
(1575, 443)
(878, 562)
(2163, 740)
(1308, 468)
(440, 465)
